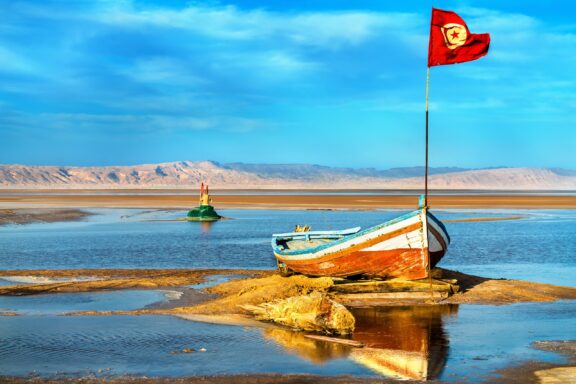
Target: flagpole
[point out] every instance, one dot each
(428, 269)
(426, 162)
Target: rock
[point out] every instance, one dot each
(312, 312)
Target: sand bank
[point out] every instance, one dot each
(27, 216)
(110, 279)
(265, 286)
(246, 201)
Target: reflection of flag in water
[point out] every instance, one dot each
(451, 42)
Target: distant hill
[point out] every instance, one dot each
(189, 174)
(311, 171)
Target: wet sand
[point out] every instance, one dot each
(111, 279)
(543, 372)
(27, 216)
(246, 201)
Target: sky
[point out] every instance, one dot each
(337, 83)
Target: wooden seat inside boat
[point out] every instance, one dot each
(303, 244)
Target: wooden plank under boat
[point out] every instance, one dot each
(406, 247)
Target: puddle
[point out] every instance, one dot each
(214, 280)
(84, 301)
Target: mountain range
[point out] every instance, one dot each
(189, 174)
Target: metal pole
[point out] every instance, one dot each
(428, 269)
(426, 167)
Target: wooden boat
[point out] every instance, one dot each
(407, 247)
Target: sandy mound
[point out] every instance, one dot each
(256, 291)
(313, 312)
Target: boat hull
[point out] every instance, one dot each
(407, 247)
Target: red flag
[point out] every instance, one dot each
(202, 189)
(451, 42)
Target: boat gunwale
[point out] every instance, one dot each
(297, 252)
(317, 234)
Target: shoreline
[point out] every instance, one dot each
(473, 289)
(286, 201)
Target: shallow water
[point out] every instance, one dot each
(450, 343)
(464, 344)
(53, 304)
(142, 345)
(539, 247)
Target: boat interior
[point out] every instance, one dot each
(310, 239)
(302, 244)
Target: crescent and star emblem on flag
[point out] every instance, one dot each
(454, 35)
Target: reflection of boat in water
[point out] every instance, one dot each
(406, 247)
(296, 343)
(403, 342)
(400, 342)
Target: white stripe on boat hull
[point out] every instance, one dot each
(356, 240)
(408, 240)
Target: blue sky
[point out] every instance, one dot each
(338, 83)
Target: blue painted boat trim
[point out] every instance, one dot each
(294, 235)
(296, 252)
(440, 224)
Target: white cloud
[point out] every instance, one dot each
(142, 123)
(306, 28)
(131, 124)
(163, 70)
(483, 20)
(14, 62)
